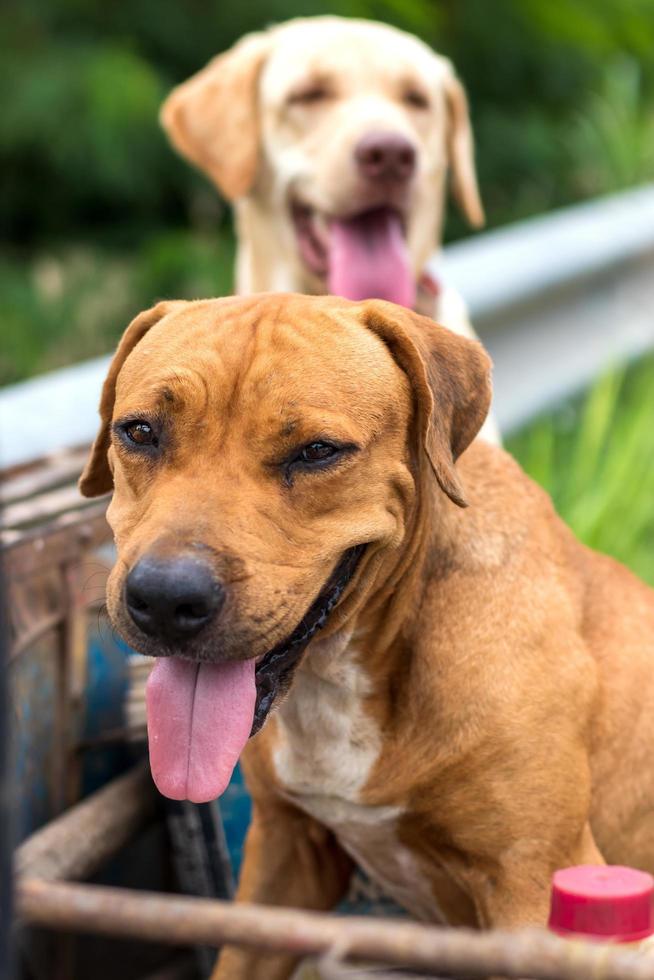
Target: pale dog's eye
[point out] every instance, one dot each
(309, 96)
(416, 99)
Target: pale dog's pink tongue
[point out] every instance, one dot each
(368, 259)
(199, 719)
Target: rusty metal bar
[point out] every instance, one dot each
(75, 677)
(43, 626)
(44, 474)
(113, 736)
(60, 757)
(178, 921)
(5, 821)
(65, 536)
(82, 839)
(46, 506)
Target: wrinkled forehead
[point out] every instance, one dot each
(284, 356)
(348, 52)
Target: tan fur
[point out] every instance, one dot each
(213, 119)
(490, 680)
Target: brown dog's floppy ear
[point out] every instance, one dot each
(213, 119)
(96, 478)
(451, 381)
(461, 151)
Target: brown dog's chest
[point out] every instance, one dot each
(325, 748)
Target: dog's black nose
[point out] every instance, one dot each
(385, 156)
(172, 599)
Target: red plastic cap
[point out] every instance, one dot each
(606, 902)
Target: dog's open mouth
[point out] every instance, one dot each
(275, 671)
(200, 715)
(360, 257)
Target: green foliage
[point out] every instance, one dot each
(561, 95)
(594, 456)
(71, 303)
(612, 139)
(82, 150)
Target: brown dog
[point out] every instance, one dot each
(477, 709)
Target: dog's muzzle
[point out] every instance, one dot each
(274, 672)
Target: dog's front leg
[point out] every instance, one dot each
(289, 859)
(518, 893)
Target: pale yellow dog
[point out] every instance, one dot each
(333, 138)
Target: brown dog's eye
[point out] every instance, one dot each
(315, 452)
(416, 99)
(140, 433)
(315, 456)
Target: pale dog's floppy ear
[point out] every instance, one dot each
(97, 478)
(213, 118)
(451, 381)
(461, 150)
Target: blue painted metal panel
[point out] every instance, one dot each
(236, 811)
(33, 700)
(106, 691)
(32, 685)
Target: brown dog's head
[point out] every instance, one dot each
(265, 456)
(337, 133)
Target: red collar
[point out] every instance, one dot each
(428, 291)
(429, 284)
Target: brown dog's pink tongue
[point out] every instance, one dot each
(368, 259)
(199, 719)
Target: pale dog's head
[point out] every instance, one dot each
(333, 138)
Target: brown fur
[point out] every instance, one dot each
(509, 669)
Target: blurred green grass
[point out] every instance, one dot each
(72, 302)
(595, 456)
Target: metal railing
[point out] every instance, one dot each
(560, 298)
(556, 299)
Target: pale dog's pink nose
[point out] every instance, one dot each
(385, 156)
